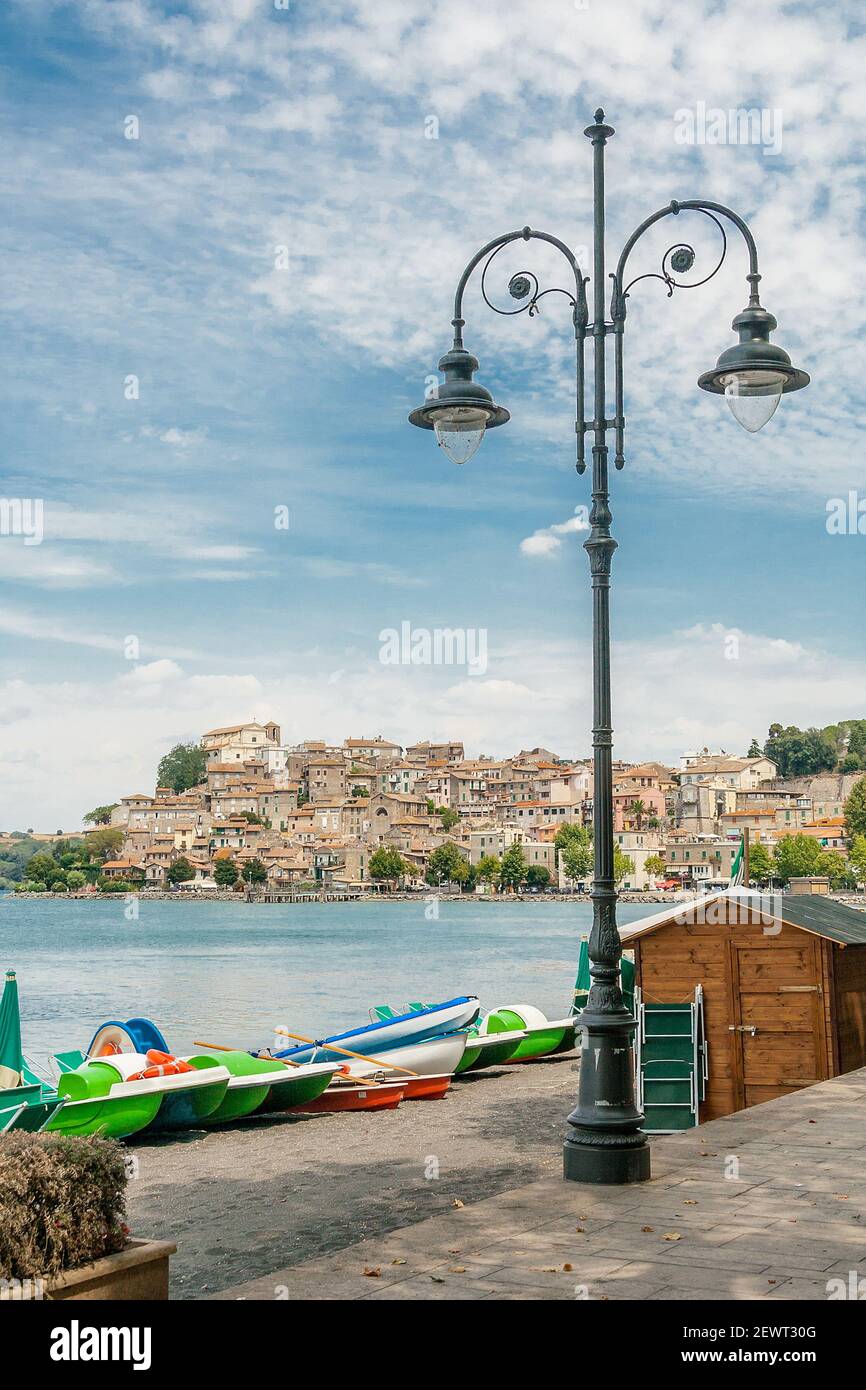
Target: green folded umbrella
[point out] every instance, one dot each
(584, 979)
(11, 1061)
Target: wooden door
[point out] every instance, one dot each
(778, 1017)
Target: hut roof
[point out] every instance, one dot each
(809, 911)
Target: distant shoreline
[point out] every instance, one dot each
(308, 899)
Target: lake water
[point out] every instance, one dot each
(229, 972)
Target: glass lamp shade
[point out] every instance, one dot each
(460, 430)
(753, 396)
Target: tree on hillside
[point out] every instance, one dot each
(43, 868)
(184, 767)
(448, 817)
(387, 865)
(755, 749)
(446, 865)
(104, 844)
(855, 809)
(761, 863)
(225, 873)
(100, 815)
(254, 872)
(180, 871)
(801, 752)
(514, 867)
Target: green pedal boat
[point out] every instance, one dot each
(489, 1050)
(541, 1037)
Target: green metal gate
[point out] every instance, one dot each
(671, 1063)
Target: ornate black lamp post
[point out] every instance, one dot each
(606, 1143)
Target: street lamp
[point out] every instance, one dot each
(606, 1143)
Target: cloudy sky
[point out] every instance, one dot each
(231, 240)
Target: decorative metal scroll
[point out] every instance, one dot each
(677, 260)
(523, 285)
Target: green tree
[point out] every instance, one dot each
(103, 844)
(75, 879)
(446, 865)
(100, 815)
(836, 867)
(577, 860)
(255, 872)
(537, 876)
(655, 865)
(488, 869)
(252, 818)
(637, 810)
(387, 865)
(180, 871)
(42, 868)
(514, 867)
(225, 873)
(798, 856)
(755, 749)
(801, 752)
(360, 791)
(448, 817)
(184, 767)
(761, 863)
(622, 865)
(855, 809)
(857, 857)
(572, 833)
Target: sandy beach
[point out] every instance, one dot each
(245, 1201)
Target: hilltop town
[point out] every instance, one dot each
(344, 818)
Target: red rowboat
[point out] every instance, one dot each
(342, 1096)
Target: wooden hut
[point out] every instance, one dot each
(784, 988)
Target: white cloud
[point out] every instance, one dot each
(678, 691)
(548, 540)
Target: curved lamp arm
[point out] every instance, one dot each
(524, 285)
(678, 259)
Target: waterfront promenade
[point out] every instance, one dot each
(767, 1204)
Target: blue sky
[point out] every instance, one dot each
(262, 387)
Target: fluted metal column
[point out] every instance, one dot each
(605, 1143)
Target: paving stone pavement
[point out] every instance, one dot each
(769, 1203)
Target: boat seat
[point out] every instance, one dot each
(70, 1061)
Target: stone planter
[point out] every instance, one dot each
(139, 1272)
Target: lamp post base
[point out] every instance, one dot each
(604, 1163)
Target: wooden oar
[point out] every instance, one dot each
(359, 1056)
(218, 1047)
(284, 1061)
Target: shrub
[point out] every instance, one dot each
(62, 1203)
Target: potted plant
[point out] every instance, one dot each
(63, 1233)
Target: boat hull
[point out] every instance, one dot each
(300, 1087)
(341, 1098)
(489, 1052)
(377, 1038)
(541, 1037)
